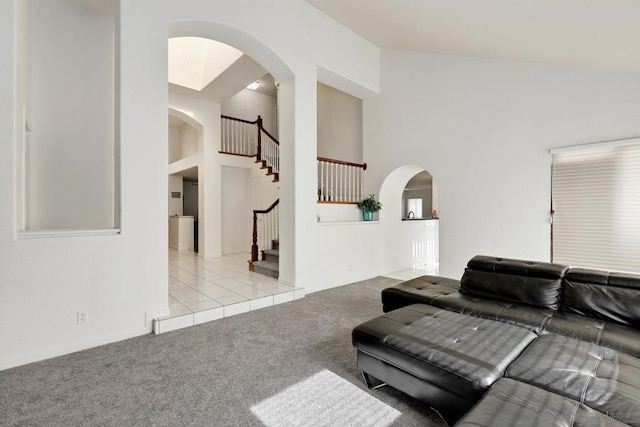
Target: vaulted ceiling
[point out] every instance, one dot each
(603, 34)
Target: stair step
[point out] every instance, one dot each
(267, 268)
(272, 255)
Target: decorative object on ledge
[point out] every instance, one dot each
(369, 206)
(434, 214)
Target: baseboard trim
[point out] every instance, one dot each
(50, 353)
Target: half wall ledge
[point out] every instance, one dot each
(44, 234)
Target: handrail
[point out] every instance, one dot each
(269, 209)
(254, 245)
(239, 120)
(342, 162)
(268, 134)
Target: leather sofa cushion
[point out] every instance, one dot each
(525, 316)
(524, 282)
(421, 290)
(604, 295)
(608, 334)
(459, 353)
(509, 403)
(601, 378)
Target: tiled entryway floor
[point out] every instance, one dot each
(201, 290)
(431, 269)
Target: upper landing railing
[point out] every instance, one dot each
(339, 181)
(244, 138)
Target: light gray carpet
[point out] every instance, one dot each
(324, 400)
(206, 375)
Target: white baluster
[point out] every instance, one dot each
(330, 180)
(337, 185)
(352, 187)
(231, 136)
(244, 138)
(222, 135)
(349, 185)
(342, 183)
(320, 180)
(226, 136)
(355, 184)
(325, 181)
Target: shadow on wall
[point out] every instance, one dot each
(409, 195)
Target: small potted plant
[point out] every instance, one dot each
(369, 206)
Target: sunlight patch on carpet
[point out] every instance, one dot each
(324, 400)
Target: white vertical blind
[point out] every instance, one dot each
(596, 199)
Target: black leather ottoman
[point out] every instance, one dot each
(601, 378)
(445, 359)
(511, 403)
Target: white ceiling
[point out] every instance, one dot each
(194, 62)
(603, 34)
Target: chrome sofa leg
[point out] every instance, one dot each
(367, 380)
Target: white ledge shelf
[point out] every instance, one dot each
(333, 223)
(44, 234)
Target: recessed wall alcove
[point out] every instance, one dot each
(66, 143)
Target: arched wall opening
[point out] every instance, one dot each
(210, 175)
(407, 242)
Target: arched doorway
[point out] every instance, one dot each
(210, 183)
(215, 282)
(410, 220)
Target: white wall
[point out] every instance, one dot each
(175, 143)
(236, 216)
(54, 278)
(416, 244)
(190, 140)
(339, 125)
(262, 190)
(23, 110)
(483, 129)
(175, 204)
(183, 141)
(249, 104)
(72, 117)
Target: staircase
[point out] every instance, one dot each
(270, 264)
(250, 139)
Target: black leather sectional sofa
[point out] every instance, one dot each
(512, 343)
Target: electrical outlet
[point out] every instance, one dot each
(83, 317)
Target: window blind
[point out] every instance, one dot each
(596, 198)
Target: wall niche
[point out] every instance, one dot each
(67, 138)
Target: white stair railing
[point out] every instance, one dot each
(339, 181)
(239, 136)
(265, 229)
(270, 151)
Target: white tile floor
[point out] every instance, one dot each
(204, 290)
(431, 269)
